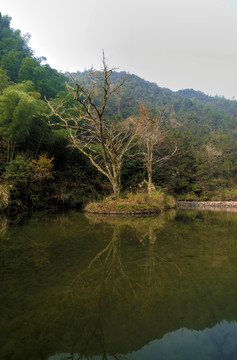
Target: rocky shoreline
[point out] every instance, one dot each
(208, 205)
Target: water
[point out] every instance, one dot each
(75, 286)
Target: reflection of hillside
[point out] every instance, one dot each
(112, 285)
(217, 343)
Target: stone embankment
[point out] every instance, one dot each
(208, 205)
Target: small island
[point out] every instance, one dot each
(133, 204)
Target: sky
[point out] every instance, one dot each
(177, 44)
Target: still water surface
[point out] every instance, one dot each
(74, 286)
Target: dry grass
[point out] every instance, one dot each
(133, 203)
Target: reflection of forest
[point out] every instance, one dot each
(98, 286)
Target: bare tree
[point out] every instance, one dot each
(104, 143)
(151, 138)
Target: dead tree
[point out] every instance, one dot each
(152, 136)
(104, 143)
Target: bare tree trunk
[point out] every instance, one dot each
(150, 186)
(151, 137)
(116, 185)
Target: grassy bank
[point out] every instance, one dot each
(133, 203)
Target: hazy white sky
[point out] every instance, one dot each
(176, 43)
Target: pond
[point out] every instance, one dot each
(77, 286)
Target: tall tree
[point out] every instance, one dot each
(48, 82)
(13, 47)
(4, 80)
(18, 104)
(11, 62)
(152, 137)
(103, 142)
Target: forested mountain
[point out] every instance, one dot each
(37, 164)
(205, 128)
(229, 106)
(137, 91)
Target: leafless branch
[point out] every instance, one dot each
(103, 143)
(167, 157)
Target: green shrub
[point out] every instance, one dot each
(26, 180)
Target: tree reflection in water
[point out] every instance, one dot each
(153, 260)
(99, 287)
(109, 280)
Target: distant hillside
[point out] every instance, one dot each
(184, 105)
(229, 106)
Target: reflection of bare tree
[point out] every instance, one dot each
(151, 257)
(147, 231)
(105, 271)
(154, 260)
(110, 276)
(103, 280)
(115, 275)
(95, 336)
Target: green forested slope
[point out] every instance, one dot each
(37, 165)
(205, 128)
